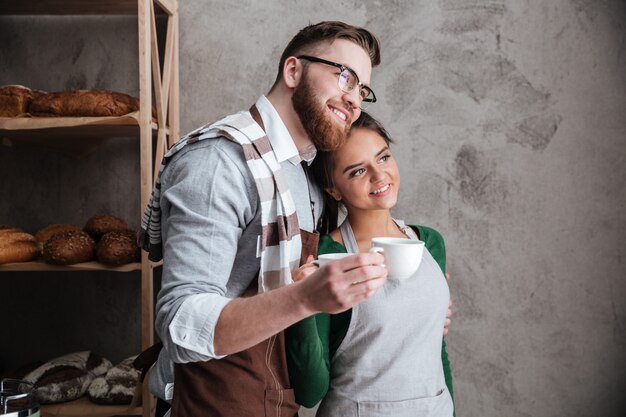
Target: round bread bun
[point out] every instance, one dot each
(97, 226)
(118, 248)
(46, 233)
(17, 246)
(66, 248)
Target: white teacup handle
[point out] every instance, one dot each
(377, 249)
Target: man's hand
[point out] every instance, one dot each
(344, 283)
(448, 320)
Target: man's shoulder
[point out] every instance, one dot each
(220, 147)
(215, 157)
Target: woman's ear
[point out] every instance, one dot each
(292, 71)
(333, 193)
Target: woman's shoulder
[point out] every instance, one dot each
(328, 245)
(428, 234)
(434, 243)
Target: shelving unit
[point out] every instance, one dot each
(77, 135)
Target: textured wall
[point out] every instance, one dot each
(511, 137)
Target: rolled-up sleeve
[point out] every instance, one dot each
(208, 200)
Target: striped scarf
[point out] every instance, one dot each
(280, 243)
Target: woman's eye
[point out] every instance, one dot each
(385, 158)
(357, 172)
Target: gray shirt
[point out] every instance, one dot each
(211, 221)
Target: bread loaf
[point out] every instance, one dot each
(97, 226)
(14, 100)
(84, 103)
(67, 377)
(17, 246)
(117, 386)
(67, 248)
(118, 248)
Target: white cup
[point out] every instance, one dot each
(402, 256)
(329, 257)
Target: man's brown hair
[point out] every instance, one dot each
(313, 35)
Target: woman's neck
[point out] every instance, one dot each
(372, 223)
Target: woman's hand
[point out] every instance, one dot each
(305, 270)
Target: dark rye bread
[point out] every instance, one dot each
(97, 226)
(67, 248)
(67, 377)
(117, 386)
(118, 248)
(83, 103)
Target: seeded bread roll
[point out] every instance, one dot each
(17, 246)
(84, 103)
(97, 226)
(46, 233)
(118, 248)
(67, 248)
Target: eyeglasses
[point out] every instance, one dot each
(347, 80)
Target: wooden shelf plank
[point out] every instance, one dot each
(74, 135)
(128, 122)
(85, 266)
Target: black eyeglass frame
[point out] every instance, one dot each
(343, 68)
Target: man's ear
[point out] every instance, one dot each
(292, 71)
(333, 193)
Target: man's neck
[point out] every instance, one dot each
(283, 105)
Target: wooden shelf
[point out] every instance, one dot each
(127, 125)
(78, 135)
(73, 135)
(82, 407)
(85, 266)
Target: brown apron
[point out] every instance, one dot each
(251, 383)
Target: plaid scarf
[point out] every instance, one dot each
(280, 243)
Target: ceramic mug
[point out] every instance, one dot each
(402, 256)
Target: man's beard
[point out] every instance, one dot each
(325, 134)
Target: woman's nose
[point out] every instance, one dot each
(377, 174)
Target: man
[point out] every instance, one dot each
(234, 214)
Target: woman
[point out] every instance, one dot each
(386, 356)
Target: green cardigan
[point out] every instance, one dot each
(312, 342)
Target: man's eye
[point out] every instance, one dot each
(345, 78)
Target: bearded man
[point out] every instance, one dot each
(234, 213)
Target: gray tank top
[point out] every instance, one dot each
(389, 363)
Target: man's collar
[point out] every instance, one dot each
(278, 135)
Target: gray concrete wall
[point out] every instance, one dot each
(511, 137)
